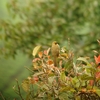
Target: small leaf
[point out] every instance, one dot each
(46, 52)
(97, 91)
(50, 62)
(97, 59)
(34, 79)
(92, 69)
(67, 88)
(64, 55)
(39, 73)
(98, 75)
(35, 60)
(86, 77)
(63, 76)
(51, 79)
(26, 85)
(84, 60)
(68, 65)
(36, 50)
(40, 54)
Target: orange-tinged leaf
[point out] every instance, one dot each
(50, 62)
(97, 59)
(97, 75)
(49, 71)
(91, 82)
(40, 54)
(34, 80)
(92, 90)
(45, 52)
(35, 60)
(83, 90)
(48, 57)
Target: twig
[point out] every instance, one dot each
(2, 96)
(19, 92)
(29, 69)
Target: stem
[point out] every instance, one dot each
(94, 82)
(29, 69)
(2, 96)
(19, 91)
(94, 78)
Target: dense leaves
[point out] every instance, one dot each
(71, 80)
(42, 21)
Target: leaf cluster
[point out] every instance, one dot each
(71, 80)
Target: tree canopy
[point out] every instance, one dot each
(43, 21)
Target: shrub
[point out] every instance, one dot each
(73, 78)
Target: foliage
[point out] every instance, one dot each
(77, 79)
(42, 21)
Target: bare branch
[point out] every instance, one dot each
(19, 91)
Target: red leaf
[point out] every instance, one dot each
(50, 62)
(34, 80)
(97, 75)
(97, 59)
(91, 82)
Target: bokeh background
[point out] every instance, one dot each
(27, 23)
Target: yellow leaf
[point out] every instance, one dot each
(36, 50)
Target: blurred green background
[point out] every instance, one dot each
(11, 68)
(27, 23)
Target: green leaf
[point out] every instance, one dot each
(66, 88)
(45, 87)
(51, 79)
(86, 77)
(63, 96)
(66, 95)
(83, 30)
(84, 60)
(97, 90)
(26, 85)
(92, 69)
(75, 82)
(68, 65)
(63, 76)
(36, 50)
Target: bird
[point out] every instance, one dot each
(55, 50)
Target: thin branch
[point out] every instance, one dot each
(19, 92)
(29, 69)
(2, 96)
